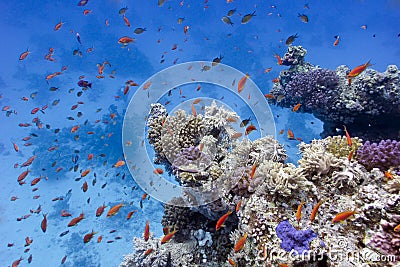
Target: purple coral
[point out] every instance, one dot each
(384, 155)
(387, 240)
(316, 90)
(297, 240)
(191, 157)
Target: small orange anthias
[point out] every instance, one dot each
(357, 71)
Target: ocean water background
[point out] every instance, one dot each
(29, 25)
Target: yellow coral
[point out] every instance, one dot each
(337, 145)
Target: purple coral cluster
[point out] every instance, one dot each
(384, 155)
(387, 240)
(292, 238)
(191, 156)
(316, 90)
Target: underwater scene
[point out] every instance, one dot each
(200, 133)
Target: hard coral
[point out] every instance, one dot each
(384, 155)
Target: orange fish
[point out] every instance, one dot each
(100, 210)
(147, 252)
(388, 175)
(343, 216)
(64, 213)
(125, 40)
(114, 210)
(349, 142)
(298, 213)
(275, 80)
(147, 85)
(168, 237)
(194, 113)
(29, 161)
(74, 129)
(126, 90)
(35, 181)
(43, 225)
(84, 186)
(196, 101)
(24, 55)
(397, 228)
(58, 25)
(240, 243)
(87, 11)
(238, 206)
(315, 210)
(267, 70)
(242, 82)
(253, 170)
(89, 236)
(16, 148)
(350, 155)
(129, 216)
(357, 71)
(146, 233)
(86, 172)
(296, 107)
(127, 23)
(76, 220)
(249, 129)
(99, 239)
(278, 58)
(231, 262)
(281, 131)
(221, 221)
(90, 156)
(119, 164)
(144, 196)
(269, 96)
(290, 134)
(158, 171)
(336, 41)
(16, 262)
(23, 175)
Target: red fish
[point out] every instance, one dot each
(298, 213)
(100, 210)
(16, 148)
(24, 55)
(84, 186)
(242, 82)
(43, 225)
(129, 216)
(16, 262)
(290, 134)
(58, 26)
(29, 161)
(127, 23)
(76, 220)
(337, 40)
(146, 233)
(89, 236)
(221, 221)
(125, 40)
(249, 129)
(357, 71)
(278, 58)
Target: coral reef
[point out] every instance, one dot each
(275, 212)
(370, 103)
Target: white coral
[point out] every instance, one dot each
(217, 117)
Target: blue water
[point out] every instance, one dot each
(29, 26)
